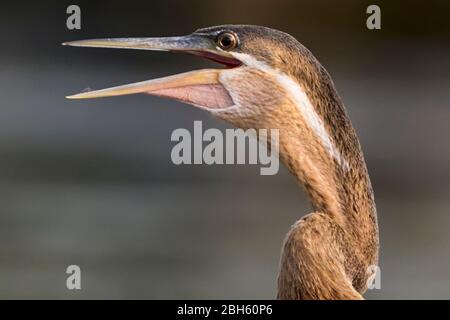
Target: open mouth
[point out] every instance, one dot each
(224, 60)
(201, 88)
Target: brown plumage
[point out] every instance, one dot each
(275, 82)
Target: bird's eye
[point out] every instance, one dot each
(227, 41)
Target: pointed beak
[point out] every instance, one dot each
(184, 43)
(201, 88)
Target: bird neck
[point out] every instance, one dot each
(324, 154)
(342, 190)
(338, 243)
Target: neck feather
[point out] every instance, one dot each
(320, 147)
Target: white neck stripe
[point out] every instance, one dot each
(302, 102)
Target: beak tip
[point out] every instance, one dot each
(71, 44)
(73, 96)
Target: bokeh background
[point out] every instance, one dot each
(91, 182)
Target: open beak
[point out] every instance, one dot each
(201, 88)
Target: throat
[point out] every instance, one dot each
(315, 173)
(341, 189)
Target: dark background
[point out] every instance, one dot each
(91, 182)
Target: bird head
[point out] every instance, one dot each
(249, 88)
(269, 81)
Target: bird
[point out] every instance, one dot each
(269, 80)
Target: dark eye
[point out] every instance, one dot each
(227, 41)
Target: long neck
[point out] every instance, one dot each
(317, 141)
(327, 255)
(337, 184)
(320, 147)
(323, 152)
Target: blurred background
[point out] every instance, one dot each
(91, 182)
